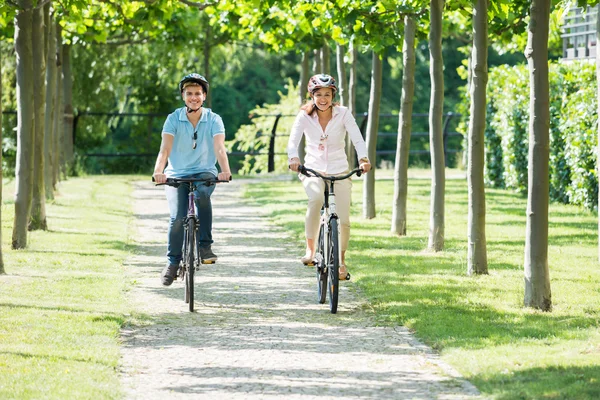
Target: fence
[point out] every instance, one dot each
(385, 147)
(133, 136)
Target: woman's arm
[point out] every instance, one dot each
(358, 141)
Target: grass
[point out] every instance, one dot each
(62, 300)
(478, 324)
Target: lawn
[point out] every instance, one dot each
(478, 324)
(62, 300)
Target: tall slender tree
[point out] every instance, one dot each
(38, 209)
(25, 123)
(537, 274)
(372, 128)
(476, 248)
(404, 128)
(436, 141)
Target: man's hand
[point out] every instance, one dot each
(365, 165)
(159, 177)
(224, 176)
(294, 163)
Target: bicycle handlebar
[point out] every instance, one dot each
(304, 171)
(176, 181)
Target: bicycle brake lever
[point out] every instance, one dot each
(359, 173)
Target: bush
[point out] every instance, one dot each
(573, 131)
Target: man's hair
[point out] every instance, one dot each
(192, 83)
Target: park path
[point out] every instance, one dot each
(258, 332)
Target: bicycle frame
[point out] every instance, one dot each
(326, 259)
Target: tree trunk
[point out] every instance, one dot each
(317, 62)
(25, 124)
(477, 252)
(404, 129)
(302, 89)
(65, 143)
(326, 59)
(350, 151)
(372, 127)
(59, 114)
(38, 209)
(206, 72)
(49, 132)
(436, 140)
(342, 84)
(2, 271)
(341, 72)
(537, 275)
(598, 87)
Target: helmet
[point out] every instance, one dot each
(196, 78)
(320, 81)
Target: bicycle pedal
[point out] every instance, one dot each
(208, 262)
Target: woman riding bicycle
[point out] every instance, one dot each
(324, 125)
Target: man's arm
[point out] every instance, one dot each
(222, 159)
(163, 155)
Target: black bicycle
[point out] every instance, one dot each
(191, 252)
(328, 254)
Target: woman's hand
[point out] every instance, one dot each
(364, 164)
(294, 163)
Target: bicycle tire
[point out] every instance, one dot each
(191, 245)
(333, 269)
(321, 268)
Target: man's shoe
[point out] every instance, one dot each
(207, 256)
(169, 273)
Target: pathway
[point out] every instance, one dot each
(259, 332)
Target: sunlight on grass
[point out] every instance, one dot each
(62, 300)
(478, 324)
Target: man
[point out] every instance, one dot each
(193, 141)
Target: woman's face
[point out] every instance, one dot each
(323, 98)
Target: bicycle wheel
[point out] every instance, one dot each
(321, 268)
(333, 261)
(189, 260)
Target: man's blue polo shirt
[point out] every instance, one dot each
(184, 160)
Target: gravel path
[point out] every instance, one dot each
(259, 332)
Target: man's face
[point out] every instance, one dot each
(193, 96)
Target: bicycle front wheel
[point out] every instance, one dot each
(321, 267)
(189, 260)
(333, 265)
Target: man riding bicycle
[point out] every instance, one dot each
(193, 141)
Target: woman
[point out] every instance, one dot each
(324, 125)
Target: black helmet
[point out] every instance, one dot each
(320, 81)
(196, 78)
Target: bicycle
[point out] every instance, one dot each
(328, 254)
(191, 252)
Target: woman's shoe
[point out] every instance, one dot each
(308, 259)
(344, 274)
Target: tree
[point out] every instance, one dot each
(38, 211)
(372, 127)
(25, 123)
(537, 274)
(438, 179)
(404, 128)
(2, 271)
(476, 247)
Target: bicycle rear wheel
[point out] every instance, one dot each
(321, 268)
(190, 245)
(333, 268)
